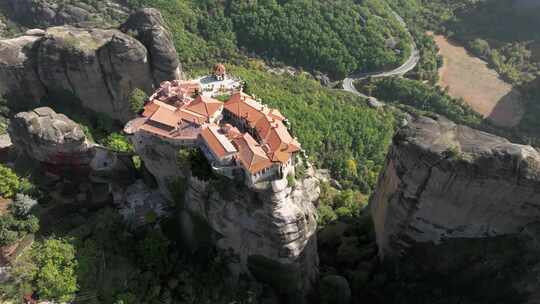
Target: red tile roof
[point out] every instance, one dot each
(205, 106)
(166, 117)
(275, 137)
(216, 141)
(250, 154)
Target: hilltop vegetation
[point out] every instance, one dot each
(335, 37)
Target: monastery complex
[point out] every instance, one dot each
(241, 138)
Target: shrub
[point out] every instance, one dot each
(22, 205)
(137, 98)
(480, 47)
(13, 228)
(56, 276)
(9, 182)
(291, 181)
(325, 215)
(193, 159)
(153, 251)
(118, 143)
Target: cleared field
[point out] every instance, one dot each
(470, 78)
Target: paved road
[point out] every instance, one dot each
(410, 64)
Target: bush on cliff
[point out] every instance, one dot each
(194, 160)
(137, 98)
(13, 228)
(11, 183)
(118, 142)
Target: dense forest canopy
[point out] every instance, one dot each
(336, 37)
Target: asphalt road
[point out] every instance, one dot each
(412, 61)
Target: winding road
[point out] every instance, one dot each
(412, 61)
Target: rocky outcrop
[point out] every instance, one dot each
(50, 137)
(458, 201)
(45, 13)
(98, 67)
(269, 235)
(148, 26)
(60, 143)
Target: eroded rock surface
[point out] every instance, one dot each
(44, 13)
(99, 67)
(457, 201)
(269, 235)
(50, 137)
(148, 26)
(59, 143)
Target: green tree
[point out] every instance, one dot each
(118, 143)
(153, 251)
(480, 47)
(351, 168)
(9, 182)
(137, 98)
(56, 276)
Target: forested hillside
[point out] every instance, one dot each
(335, 37)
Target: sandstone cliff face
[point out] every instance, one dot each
(148, 26)
(45, 13)
(462, 206)
(99, 67)
(444, 181)
(268, 235)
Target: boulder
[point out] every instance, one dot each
(50, 137)
(60, 144)
(94, 68)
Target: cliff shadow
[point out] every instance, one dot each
(509, 110)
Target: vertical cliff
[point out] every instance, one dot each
(460, 202)
(269, 235)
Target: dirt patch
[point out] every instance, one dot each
(470, 78)
(4, 205)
